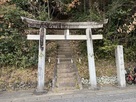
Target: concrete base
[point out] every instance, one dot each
(37, 92)
(120, 87)
(94, 88)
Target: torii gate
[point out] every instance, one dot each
(42, 37)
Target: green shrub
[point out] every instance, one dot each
(15, 50)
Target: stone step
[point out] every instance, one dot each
(59, 74)
(66, 84)
(61, 56)
(65, 53)
(64, 47)
(64, 75)
(62, 66)
(65, 65)
(61, 89)
(65, 60)
(64, 56)
(64, 50)
(66, 79)
(65, 70)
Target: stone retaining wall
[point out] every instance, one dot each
(104, 80)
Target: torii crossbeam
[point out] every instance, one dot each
(66, 26)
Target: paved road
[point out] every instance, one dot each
(106, 94)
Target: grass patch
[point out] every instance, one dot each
(12, 78)
(103, 68)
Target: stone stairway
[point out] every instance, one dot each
(67, 78)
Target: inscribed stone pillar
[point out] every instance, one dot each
(120, 66)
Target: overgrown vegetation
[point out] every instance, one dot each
(17, 53)
(14, 47)
(15, 50)
(120, 29)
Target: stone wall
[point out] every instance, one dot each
(104, 80)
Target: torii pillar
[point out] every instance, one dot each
(41, 60)
(91, 62)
